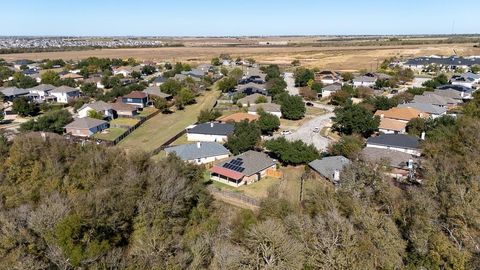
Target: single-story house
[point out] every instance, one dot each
(244, 169)
(238, 117)
(437, 100)
(252, 88)
(392, 126)
(467, 79)
(74, 76)
(272, 108)
(106, 109)
(124, 110)
(330, 167)
(209, 132)
(366, 81)
(10, 93)
(125, 70)
(252, 99)
(430, 109)
(199, 152)
(398, 161)
(182, 77)
(327, 77)
(400, 114)
(136, 98)
(86, 127)
(65, 94)
(397, 142)
(96, 80)
(331, 89)
(155, 92)
(458, 92)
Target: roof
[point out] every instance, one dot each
(136, 94)
(97, 106)
(238, 117)
(395, 140)
(14, 91)
(432, 98)
(456, 87)
(425, 107)
(332, 87)
(400, 113)
(267, 107)
(444, 61)
(85, 123)
(43, 87)
(395, 158)
(64, 89)
(120, 106)
(251, 162)
(222, 129)
(155, 91)
(391, 124)
(251, 85)
(160, 79)
(328, 165)
(226, 172)
(198, 150)
(364, 79)
(450, 93)
(72, 76)
(253, 98)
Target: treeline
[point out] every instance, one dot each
(82, 48)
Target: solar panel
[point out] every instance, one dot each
(225, 165)
(241, 169)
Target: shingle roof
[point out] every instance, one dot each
(444, 61)
(85, 123)
(98, 106)
(425, 107)
(238, 117)
(155, 91)
(332, 87)
(455, 87)
(64, 89)
(405, 114)
(253, 98)
(267, 107)
(43, 87)
(364, 79)
(136, 94)
(395, 158)
(14, 91)
(120, 106)
(253, 162)
(222, 129)
(328, 165)
(395, 140)
(432, 98)
(391, 124)
(198, 150)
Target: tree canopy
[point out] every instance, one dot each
(245, 137)
(292, 107)
(355, 119)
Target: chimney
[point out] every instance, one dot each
(199, 145)
(211, 124)
(422, 136)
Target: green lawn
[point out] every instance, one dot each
(110, 134)
(147, 111)
(130, 122)
(157, 130)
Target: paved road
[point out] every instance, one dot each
(292, 90)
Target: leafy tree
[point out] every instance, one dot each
(171, 86)
(416, 91)
(224, 71)
(238, 96)
(435, 82)
(236, 73)
(475, 69)
(261, 99)
(216, 61)
(94, 114)
(184, 97)
(52, 121)
(136, 75)
(292, 153)
(227, 84)
(341, 98)
(348, 146)
(347, 76)
(302, 76)
(148, 70)
(268, 123)
(50, 77)
(160, 103)
(355, 119)
(23, 107)
(317, 87)
(382, 102)
(276, 86)
(403, 97)
(90, 90)
(22, 81)
(208, 115)
(168, 66)
(245, 137)
(272, 71)
(293, 108)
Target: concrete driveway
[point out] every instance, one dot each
(290, 80)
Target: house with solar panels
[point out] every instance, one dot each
(244, 169)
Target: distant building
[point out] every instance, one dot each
(106, 109)
(136, 98)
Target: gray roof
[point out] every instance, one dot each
(160, 79)
(364, 79)
(425, 107)
(155, 91)
(395, 140)
(332, 87)
(444, 61)
(14, 91)
(222, 129)
(328, 165)
(449, 93)
(267, 107)
(253, 162)
(198, 150)
(64, 89)
(85, 123)
(97, 106)
(253, 98)
(434, 99)
(459, 88)
(395, 159)
(43, 87)
(251, 85)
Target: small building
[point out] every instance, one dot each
(106, 109)
(10, 93)
(436, 100)
(124, 70)
(328, 77)
(238, 117)
(42, 90)
(209, 132)
(330, 167)
(74, 76)
(85, 127)
(199, 152)
(252, 100)
(159, 81)
(367, 81)
(153, 91)
(244, 169)
(252, 88)
(65, 94)
(136, 98)
(272, 108)
(397, 142)
(399, 162)
(331, 89)
(123, 110)
(430, 109)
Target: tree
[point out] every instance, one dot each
(224, 71)
(348, 146)
(317, 87)
(292, 153)
(272, 71)
(236, 73)
(227, 84)
(302, 76)
(160, 103)
(347, 76)
(475, 69)
(52, 121)
(90, 90)
(216, 61)
(95, 114)
(50, 77)
(276, 86)
(148, 70)
(293, 108)
(261, 99)
(383, 103)
(246, 136)
(355, 119)
(23, 107)
(136, 75)
(2, 115)
(208, 115)
(268, 123)
(171, 86)
(416, 91)
(184, 97)
(23, 81)
(435, 82)
(341, 98)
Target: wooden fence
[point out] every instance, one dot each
(234, 196)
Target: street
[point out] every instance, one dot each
(292, 90)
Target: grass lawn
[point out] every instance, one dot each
(259, 189)
(110, 134)
(312, 111)
(125, 121)
(147, 111)
(157, 130)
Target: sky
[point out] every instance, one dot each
(237, 18)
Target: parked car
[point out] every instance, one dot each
(309, 104)
(316, 130)
(286, 132)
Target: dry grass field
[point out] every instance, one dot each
(336, 58)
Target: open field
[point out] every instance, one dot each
(334, 57)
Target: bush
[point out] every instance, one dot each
(355, 119)
(268, 123)
(348, 146)
(52, 121)
(292, 107)
(292, 153)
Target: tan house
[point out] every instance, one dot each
(238, 117)
(395, 120)
(85, 127)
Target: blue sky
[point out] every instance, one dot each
(241, 17)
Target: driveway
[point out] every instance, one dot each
(292, 90)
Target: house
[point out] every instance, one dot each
(397, 142)
(391, 126)
(238, 117)
(252, 88)
(328, 77)
(447, 63)
(22, 62)
(153, 91)
(136, 98)
(65, 94)
(197, 73)
(330, 167)
(106, 109)
(10, 93)
(124, 70)
(272, 108)
(96, 80)
(400, 114)
(159, 81)
(436, 100)
(42, 90)
(74, 76)
(463, 81)
(123, 110)
(199, 152)
(209, 132)
(399, 162)
(331, 89)
(182, 77)
(85, 127)
(252, 99)
(458, 92)
(426, 108)
(367, 81)
(244, 169)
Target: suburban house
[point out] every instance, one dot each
(74, 76)
(124, 70)
(238, 117)
(330, 167)
(85, 127)
(209, 132)
(154, 91)
(458, 92)
(272, 108)
(252, 88)
(395, 120)
(437, 100)
(426, 108)
(392, 126)
(244, 169)
(447, 63)
(182, 77)
(397, 142)
(159, 81)
(42, 90)
(124, 110)
(10, 93)
(399, 162)
(328, 77)
(136, 98)
(367, 81)
(22, 62)
(252, 100)
(331, 89)
(65, 94)
(106, 109)
(96, 80)
(199, 152)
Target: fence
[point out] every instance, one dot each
(167, 143)
(234, 196)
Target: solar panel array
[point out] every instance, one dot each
(235, 165)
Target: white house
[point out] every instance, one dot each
(365, 81)
(331, 89)
(42, 91)
(99, 106)
(65, 94)
(209, 132)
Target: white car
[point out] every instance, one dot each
(286, 132)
